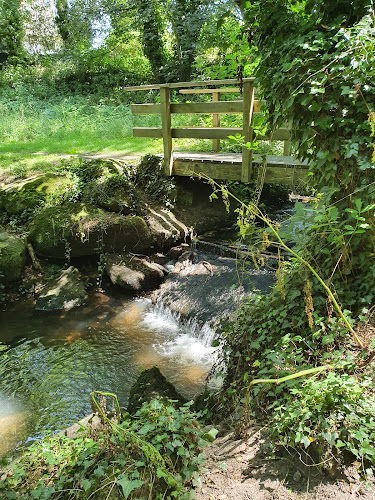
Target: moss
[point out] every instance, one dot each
(113, 193)
(28, 194)
(77, 229)
(12, 256)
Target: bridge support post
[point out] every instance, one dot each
(165, 110)
(216, 122)
(248, 109)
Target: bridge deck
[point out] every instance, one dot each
(227, 166)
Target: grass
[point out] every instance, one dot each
(37, 133)
(34, 133)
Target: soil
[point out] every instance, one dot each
(243, 470)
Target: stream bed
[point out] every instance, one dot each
(49, 363)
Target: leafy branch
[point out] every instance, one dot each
(254, 211)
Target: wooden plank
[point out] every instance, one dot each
(247, 154)
(147, 132)
(235, 158)
(208, 107)
(188, 132)
(198, 83)
(216, 122)
(233, 90)
(257, 106)
(194, 107)
(145, 109)
(274, 174)
(166, 129)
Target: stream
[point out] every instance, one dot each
(50, 362)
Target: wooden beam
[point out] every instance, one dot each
(281, 134)
(147, 132)
(188, 132)
(165, 106)
(216, 122)
(248, 106)
(194, 107)
(233, 90)
(145, 109)
(282, 174)
(177, 85)
(208, 107)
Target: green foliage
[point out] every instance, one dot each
(316, 73)
(151, 178)
(109, 464)
(330, 414)
(11, 32)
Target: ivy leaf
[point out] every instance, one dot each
(210, 436)
(128, 485)
(86, 483)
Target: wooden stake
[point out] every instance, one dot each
(216, 122)
(165, 109)
(248, 109)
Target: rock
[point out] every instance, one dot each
(194, 208)
(64, 292)
(151, 384)
(114, 193)
(77, 229)
(175, 252)
(165, 228)
(133, 273)
(27, 194)
(12, 256)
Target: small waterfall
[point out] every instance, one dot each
(204, 333)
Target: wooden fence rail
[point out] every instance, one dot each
(248, 106)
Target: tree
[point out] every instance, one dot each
(11, 31)
(187, 18)
(316, 71)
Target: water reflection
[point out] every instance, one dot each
(49, 363)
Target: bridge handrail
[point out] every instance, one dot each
(248, 106)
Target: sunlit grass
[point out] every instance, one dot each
(36, 134)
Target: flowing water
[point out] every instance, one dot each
(49, 363)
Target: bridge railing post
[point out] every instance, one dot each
(165, 111)
(216, 122)
(248, 109)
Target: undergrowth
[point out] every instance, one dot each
(155, 454)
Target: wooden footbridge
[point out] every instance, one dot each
(244, 167)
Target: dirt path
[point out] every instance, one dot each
(242, 470)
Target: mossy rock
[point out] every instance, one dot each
(12, 256)
(132, 273)
(77, 230)
(27, 194)
(151, 384)
(114, 193)
(63, 292)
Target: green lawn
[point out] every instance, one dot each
(35, 135)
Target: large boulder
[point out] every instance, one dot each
(77, 229)
(151, 384)
(197, 210)
(114, 193)
(132, 273)
(63, 292)
(12, 256)
(27, 194)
